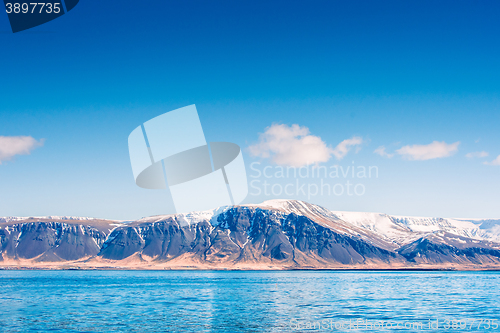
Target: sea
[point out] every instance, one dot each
(249, 301)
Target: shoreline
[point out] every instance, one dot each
(275, 269)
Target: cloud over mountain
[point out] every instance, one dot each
(495, 162)
(345, 146)
(295, 146)
(431, 151)
(11, 146)
(382, 152)
(477, 154)
(291, 145)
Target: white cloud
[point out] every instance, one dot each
(381, 151)
(431, 151)
(295, 146)
(477, 154)
(496, 161)
(345, 146)
(292, 146)
(11, 146)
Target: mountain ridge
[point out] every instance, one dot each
(277, 234)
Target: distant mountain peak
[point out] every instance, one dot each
(59, 218)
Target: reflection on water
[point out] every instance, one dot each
(222, 301)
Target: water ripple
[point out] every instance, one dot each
(224, 301)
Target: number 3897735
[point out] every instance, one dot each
(33, 8)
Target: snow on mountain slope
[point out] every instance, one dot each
(296, 207)
(187, 219)
(396, 229)
(381, 224)
(8, 219)
(403, 228)
(383, 230)
(486, 228)
(328, 219)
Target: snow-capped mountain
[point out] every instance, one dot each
(187, 219)
(7, 219)
(398, 229)
(277, 234)
(404, 227)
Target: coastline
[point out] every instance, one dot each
(99, 265)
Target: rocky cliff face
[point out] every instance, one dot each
(245, 235)
(235, 237)
(443, 247)
(50, 241)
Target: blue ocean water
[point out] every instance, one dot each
(249, 301)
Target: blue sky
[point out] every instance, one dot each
(393, 73)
